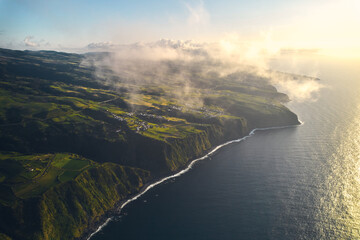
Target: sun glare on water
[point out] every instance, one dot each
(339, 208)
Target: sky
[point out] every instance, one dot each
(329, 26)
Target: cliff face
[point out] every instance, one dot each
(68, 209)
(178, 152)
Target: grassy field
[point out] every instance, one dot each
(31, 175)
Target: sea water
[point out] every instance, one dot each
(291, 183)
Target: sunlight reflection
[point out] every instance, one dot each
(339, 209)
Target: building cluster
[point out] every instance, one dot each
(147, 115)
(142, 126)
(118, 117)
(208, 113)
(176, 108)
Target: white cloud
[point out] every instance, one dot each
(197, 14)
(29, 42)
(186, 61)
(100, 45)
(302, 89)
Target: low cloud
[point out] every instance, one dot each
(185, 63)
(303, 90)
(100, 45)
(299, 88)
(29, 42)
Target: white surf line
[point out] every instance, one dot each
(189, 167)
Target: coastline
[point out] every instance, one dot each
(118, 207)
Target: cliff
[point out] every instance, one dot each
(67, 210)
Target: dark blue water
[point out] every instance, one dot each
(293, 183)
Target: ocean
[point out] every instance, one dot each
(298, 182)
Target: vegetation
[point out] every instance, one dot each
(66, 136)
